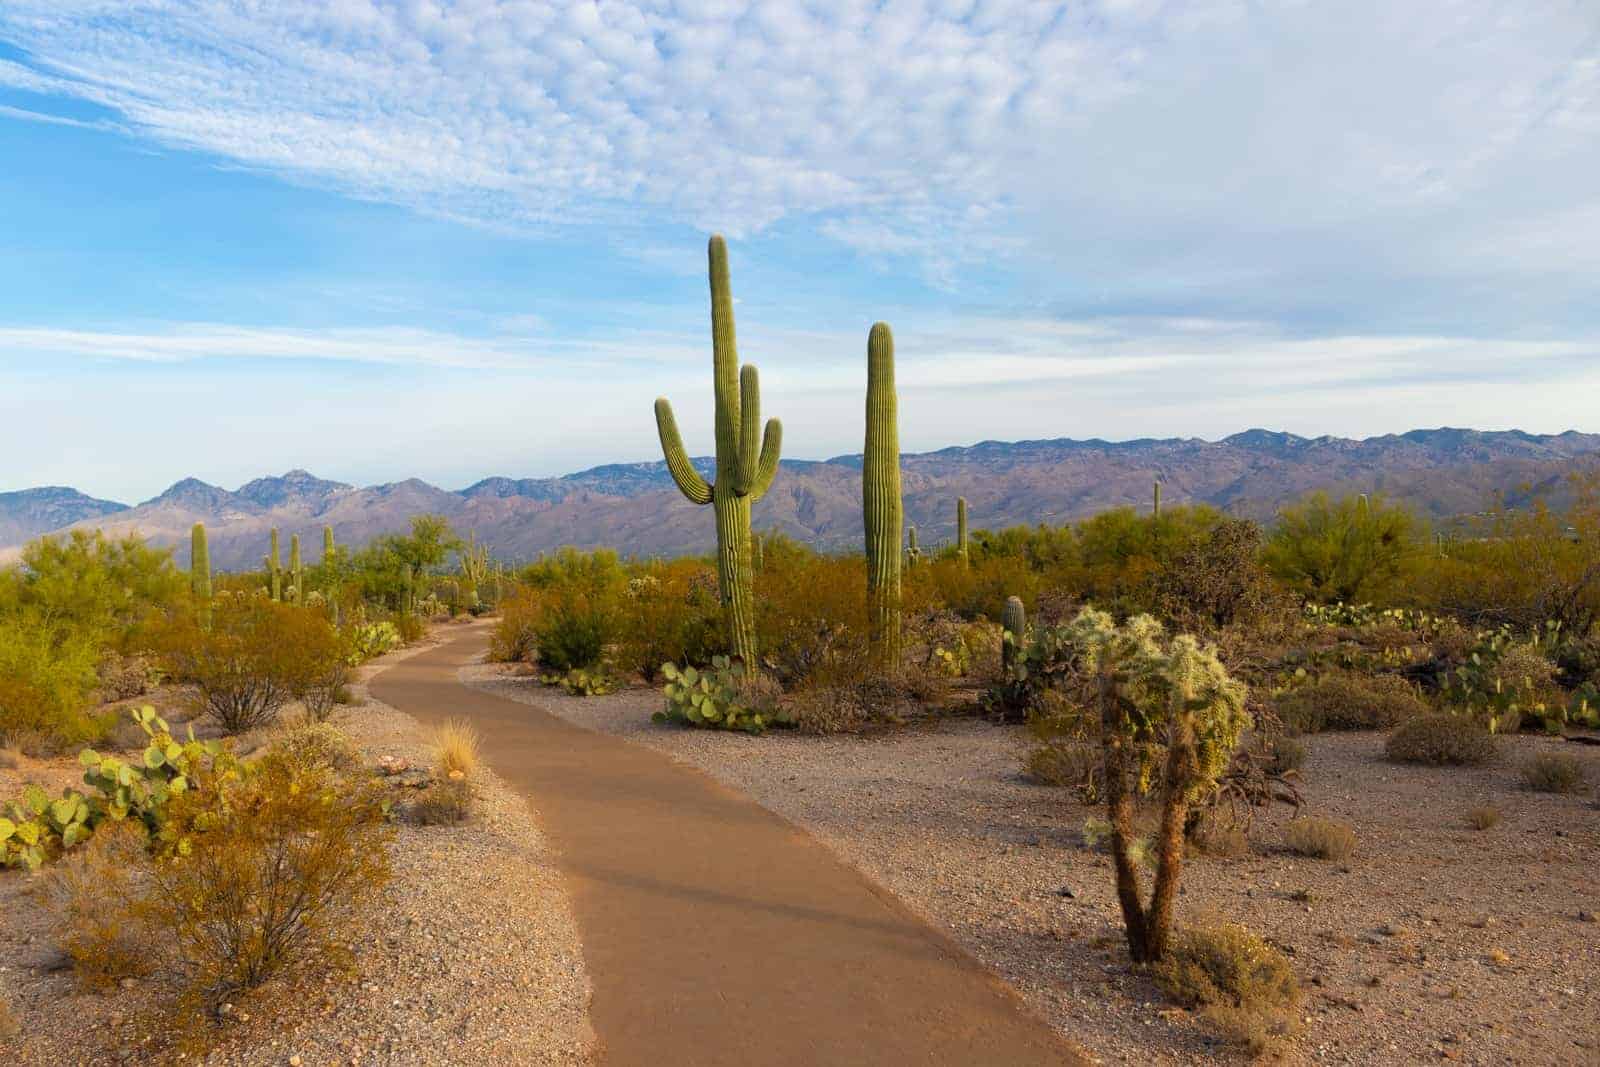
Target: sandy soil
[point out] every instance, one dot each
(474, 956)
(1434, 942)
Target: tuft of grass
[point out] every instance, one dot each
(1553, 773)
(1441, 741)
(1224, 842)
(455, 749)
(1322, 838)
(444, 803)
(1484, 818)
(100, 918)
(1287, 755)
(1241, 985)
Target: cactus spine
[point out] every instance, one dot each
(200, 573)
(297, 584)
(880, 500)
(745, 469)
(1014, 620)
(273, 572)
(1156, 506)
(961, 528)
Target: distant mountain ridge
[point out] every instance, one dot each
(635, 508)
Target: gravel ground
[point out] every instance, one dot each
(1435, 942)
(474, 958)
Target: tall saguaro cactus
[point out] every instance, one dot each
(961, 528)
(1155, 508)
(200, 573)
(297, 583)
(331, 593)
(273, 573)
(745, 468)
(880, 499)
(474, 568)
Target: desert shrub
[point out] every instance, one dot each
(516, 634)
(1287, 755)
(720, 698)
(1216, 837)
(92, 586)
(121, 677)
(368, 641)
(1486, 817)
(1072, 763)
(1441, 740)
(1324, 839)
(443, 803)
(410, 626)
(1552, 772)
(99, 913)
(1217, 581)
(812, 623)
(256, 657)
(826, 710)
(47, 677)
(270, 871)
(670, 614)
(574, 629)
(1343, 701)
(1241, 985)
(1351, 550)
(319, 743)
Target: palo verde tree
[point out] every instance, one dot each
(747, 460)
(1170, 719)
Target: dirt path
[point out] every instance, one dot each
(715, 932)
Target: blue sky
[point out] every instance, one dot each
(458, 239)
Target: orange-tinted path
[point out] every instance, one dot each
(714, 932)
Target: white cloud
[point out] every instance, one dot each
(1318, 153)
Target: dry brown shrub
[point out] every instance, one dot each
(1441, 741)
(1243, 986)
(444, 803)
(1349, 702)
(1483, 818)
(455, 749)
(1324, 839)
(101, 917)
(1553, 772)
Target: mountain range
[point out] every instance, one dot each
(634, 507)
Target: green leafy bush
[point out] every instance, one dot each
(370, 640)
(1343, 701)
(1441, 741)
(714, 699)
(1349, 550)
(47, 677)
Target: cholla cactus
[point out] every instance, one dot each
(881, 503)
(745, 468)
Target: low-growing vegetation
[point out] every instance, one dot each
(1324, 839)
(1441, 740)
(1554, 773)
(1243, 986)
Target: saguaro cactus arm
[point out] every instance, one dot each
(696, 488)
(767, 466)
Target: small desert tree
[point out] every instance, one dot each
(1167, 708)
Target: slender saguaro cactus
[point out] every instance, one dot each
(331, 593)
(881, 504)
(913, 553)
(408, 594)
(1014, 620)
(744, 469)
(200, 573)
(327, 544)
(1156, 507)
(961, 528)
(474, 567)
(297, 584)
(272, 568)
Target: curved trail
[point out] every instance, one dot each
(715, 932)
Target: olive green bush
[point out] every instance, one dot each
(1243, 986)
(1349, 701)
(1441, 741)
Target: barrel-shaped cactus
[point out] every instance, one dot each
(961, 528)
(880, 500)
(747, 460)
(200, 573)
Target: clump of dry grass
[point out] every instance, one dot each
(1441, 741)
(1322, 838)
(96, 899)
(1484, 818)
(1222, 841)
(455, 749)
(1241, 985)
(1553, 773)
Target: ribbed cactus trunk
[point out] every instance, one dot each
(913, 553)
(1014, 620)
(297, 584)
(961, 528)
(1155, 508)
(272, 568)
(747, 461)
(200, 573)
(329, 551)
(880, 500)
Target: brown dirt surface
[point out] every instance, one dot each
(1435, 942)
(473, 956)
(716, 932)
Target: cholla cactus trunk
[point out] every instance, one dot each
(1014, 618)
(881, 503)
(274, 573)
(200, 573)
(961, 528)
(297, 584)
(1155, 508)
(745, 465)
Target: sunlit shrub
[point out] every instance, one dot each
(1342, 701)
(47, 677)
(1441, 741)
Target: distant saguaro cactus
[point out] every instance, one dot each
(1014, 620)
(961, 528)
(881, 501)
(474, 568)
(200, 573)
(744, 469)
(273, 573)
(297, 584)
(913, 553)
(1155, 508)
(408, 590)
(329, 559)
